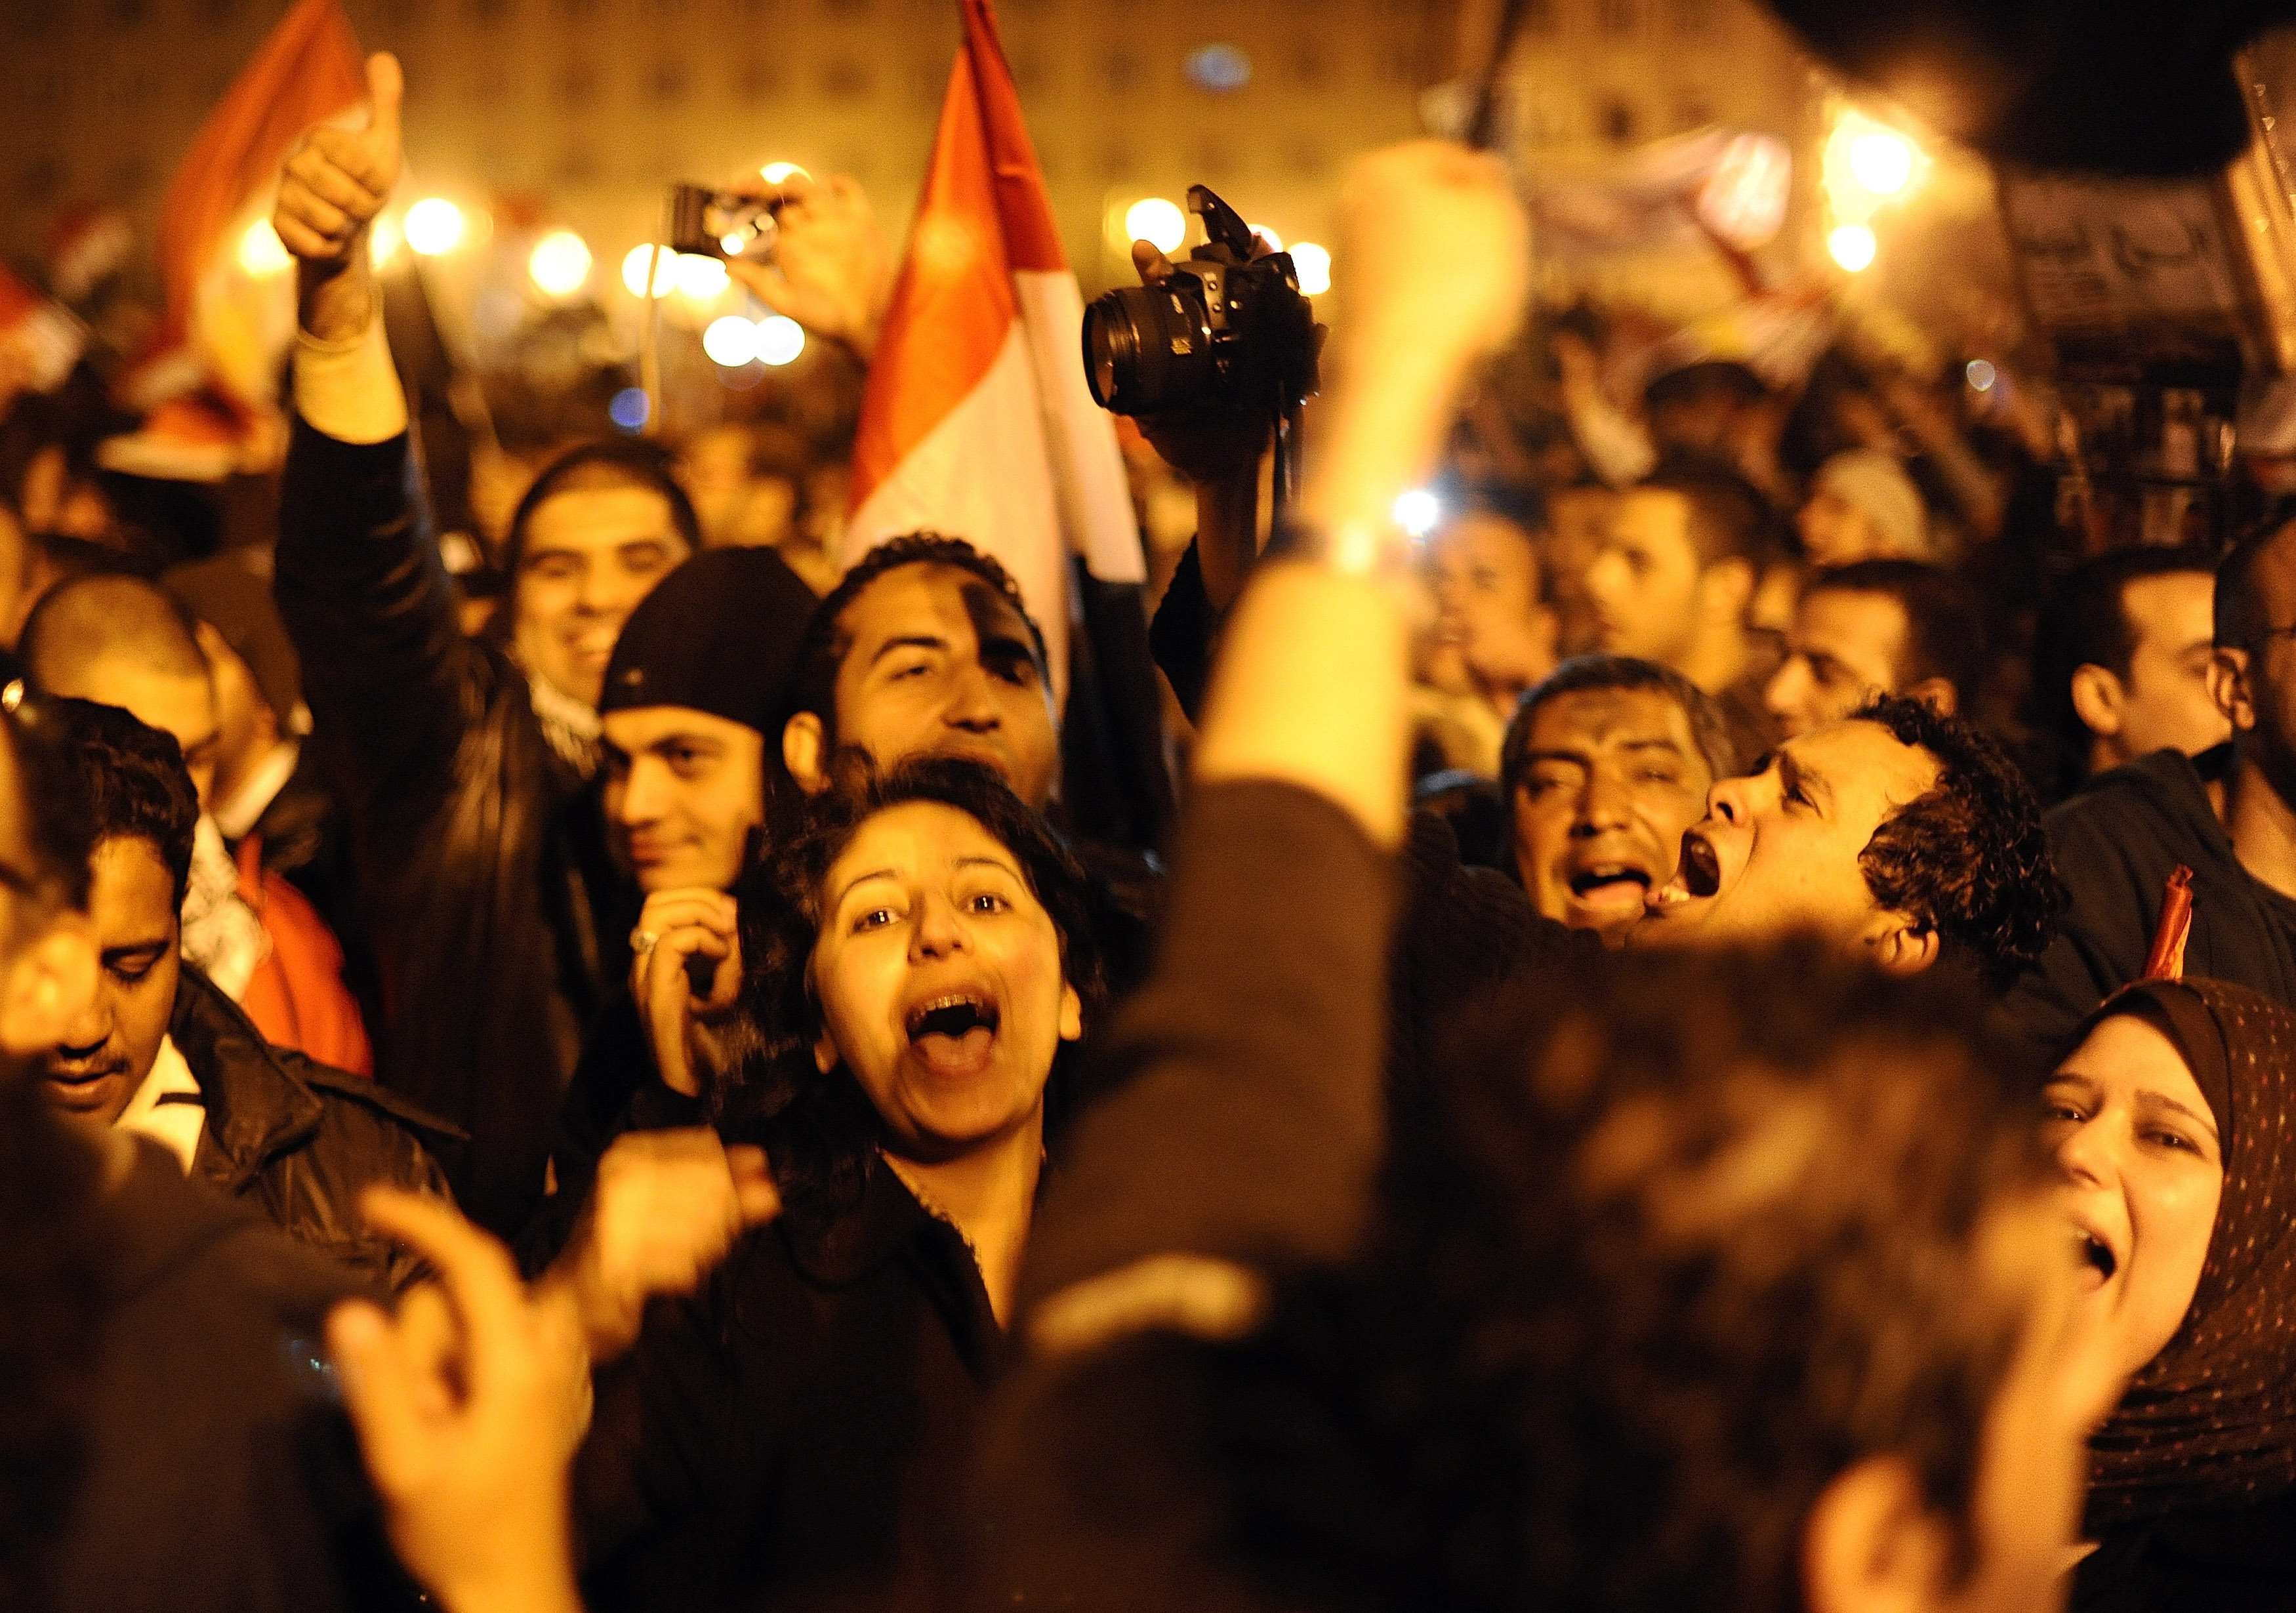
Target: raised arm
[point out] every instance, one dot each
(1251, 1123)
(360, 583)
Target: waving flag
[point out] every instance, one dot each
(976, 423)
(308, 70)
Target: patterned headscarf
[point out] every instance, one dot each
(2210, 1422)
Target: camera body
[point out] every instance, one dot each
(1226, 329)
(711, 223)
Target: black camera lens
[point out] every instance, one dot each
(1147, 348)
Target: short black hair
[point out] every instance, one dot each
(1585, 674)
(1967, 858)
(2085, 623)
(819, 1130)
(1945, 625)
(1722, 379)
(1630, 1308)
(56, 814)
(1729, 518)
(1513, 501)
(612, 461)
(2241, 619)
(132, 782)
(822, 648)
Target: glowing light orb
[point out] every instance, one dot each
(435, 225)
(779, 340)
(1852, 246)
(1158, 222)
(261, 253)
(559, 264)
(1314, 264)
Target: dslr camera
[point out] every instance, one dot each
(1226, 329)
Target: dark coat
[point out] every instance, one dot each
(792, 1435)
(296, 1141)
(498, 922)
(2116, 844)
(219, 1474)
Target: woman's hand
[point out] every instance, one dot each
(667, 1208)
(468, 1404)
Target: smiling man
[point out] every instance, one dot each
(1901, 835)
(1606, 763)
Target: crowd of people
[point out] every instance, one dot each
(1716, 1031)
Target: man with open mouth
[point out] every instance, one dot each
(1605, 764)
(1900, 834)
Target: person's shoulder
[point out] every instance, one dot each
(342, 1092)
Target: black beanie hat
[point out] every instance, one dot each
(718, 635)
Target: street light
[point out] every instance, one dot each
(1158, 222)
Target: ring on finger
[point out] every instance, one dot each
(643, 941)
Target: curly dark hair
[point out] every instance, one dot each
(133, 783)
(1632, 1306)
(820, 1130)
(822, 648)
(1968, 858)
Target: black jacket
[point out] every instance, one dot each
(296, 1141)
(2116, 844)
(219, 1474)
(498, 922)
(790, 1437)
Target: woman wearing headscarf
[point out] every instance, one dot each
(2170, 1121)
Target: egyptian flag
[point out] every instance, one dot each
(308, 70)
(977, 423)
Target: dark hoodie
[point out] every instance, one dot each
(2116, 844)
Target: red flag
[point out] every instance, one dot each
(976, 422)
(310, 69)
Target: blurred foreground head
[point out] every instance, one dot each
(1732, 1285)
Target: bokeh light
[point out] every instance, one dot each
(781, 173)
(435, 225)
(1417, 512)
(635, 264)
(700, 279)
(1314, 264)
(1883, 159)
(779, 340)
(1852, 246)
(730, 341)
(559, 263)
(1275, 242)
(1158, 222)
(261, 253)
(629, 409)
(1980, 375)
(383, 240)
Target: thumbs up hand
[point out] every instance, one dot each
(335, 182)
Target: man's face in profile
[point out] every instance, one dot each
(1778, 851)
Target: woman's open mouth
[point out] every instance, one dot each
(953, 1033)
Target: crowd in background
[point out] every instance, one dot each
(1715, 1032)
